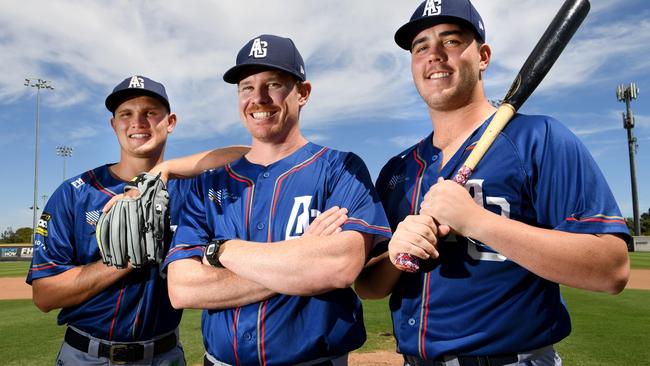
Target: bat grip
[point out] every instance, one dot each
(410, 263)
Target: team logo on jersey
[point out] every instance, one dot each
(92, 217)
(220, 196)
(78, 182)
(258, 50)
(136, 82)
(300, 217)
(395, 180)
(41, 228)
(432, 7)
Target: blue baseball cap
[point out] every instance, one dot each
(136, 85)
(433, 12)
(268, 51)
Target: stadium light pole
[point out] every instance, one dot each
(64, 152)
(627, 94)
(38, 84)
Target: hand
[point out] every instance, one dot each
(132, 193)
(450, 204)
(416, 235)
(161, 168)
(328, 223)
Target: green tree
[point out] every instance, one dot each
(8, 236)
(645, 224)
(24, 235)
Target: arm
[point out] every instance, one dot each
(193, 165)
(74, 286)
(586, 261)
(416, 235)
(196, 284)
(304, 266)
(187, 167)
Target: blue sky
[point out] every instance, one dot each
(363, 99)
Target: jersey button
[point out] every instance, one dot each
(260, 225)
(266, 174)
(411, 322)
(247, 336)
(434, 158)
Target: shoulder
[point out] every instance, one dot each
(333, 157)
(537, 126)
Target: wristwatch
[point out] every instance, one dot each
(212, 252)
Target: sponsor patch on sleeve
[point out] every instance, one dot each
(41, 228)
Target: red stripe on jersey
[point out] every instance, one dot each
(97, 184)
(605, 219)
(283, 176)
(117, 309)
(40, 267)
(234, 330)
(418, 181)
(426, 316)
(250, 185)
(263, 333)
(183, 248)
(365, 224)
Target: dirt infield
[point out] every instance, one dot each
(16, 288)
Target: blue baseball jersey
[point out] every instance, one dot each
(269, 204)
(475, 301)
(135, 308)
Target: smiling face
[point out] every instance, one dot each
(141, 125)
(269, 104)
(446, 63)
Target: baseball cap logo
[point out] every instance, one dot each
(432, 7)
(136, 82)
(258, 50)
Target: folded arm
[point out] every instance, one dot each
(198, 285)
(74, 286)
(597, 262)
(305, 266)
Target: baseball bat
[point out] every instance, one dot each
(558, 34)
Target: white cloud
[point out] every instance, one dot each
(358, 73)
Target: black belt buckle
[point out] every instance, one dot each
(122, 354)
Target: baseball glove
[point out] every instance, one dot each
(136, 230)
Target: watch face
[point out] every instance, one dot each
(210, 249)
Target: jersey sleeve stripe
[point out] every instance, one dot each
(365, 224)
(598, 218)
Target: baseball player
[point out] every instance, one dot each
(273, 294)
(537, 213)
(114, 316)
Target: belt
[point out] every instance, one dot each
(120, 352)
(465, 360)
(208, 362)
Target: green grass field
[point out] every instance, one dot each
(607, 330)
(14, 269)
(640, 260)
